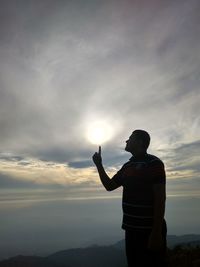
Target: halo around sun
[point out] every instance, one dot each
(99, 132)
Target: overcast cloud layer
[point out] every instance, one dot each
(65, 64)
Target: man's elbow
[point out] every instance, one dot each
(109, 189)
(111, 186)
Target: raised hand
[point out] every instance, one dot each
(97, 157)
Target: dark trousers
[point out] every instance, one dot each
(138, 255)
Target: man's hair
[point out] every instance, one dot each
(144, 136)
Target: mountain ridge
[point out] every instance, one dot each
(94, 255)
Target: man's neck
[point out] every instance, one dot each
(140, 156)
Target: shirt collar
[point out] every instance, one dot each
(133, 158)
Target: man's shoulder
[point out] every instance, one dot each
(152, 159)
(127, 164)
(149, 159)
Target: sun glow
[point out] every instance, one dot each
(99, 132)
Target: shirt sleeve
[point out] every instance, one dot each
(118, 177)
(158, 172)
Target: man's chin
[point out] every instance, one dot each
(126, 149)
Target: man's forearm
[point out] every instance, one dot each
(159, 211)
(159, 207)
(103, 177)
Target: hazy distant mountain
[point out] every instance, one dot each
(173, 240)
(93, 256)
(28, 261)
(190, 244)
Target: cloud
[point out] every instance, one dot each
(182, 168)
(184, 157)
(80, 164)
(10, 157)
(135, 64)
(36, 174)
(7, 181)
(186, 186)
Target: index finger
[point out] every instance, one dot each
(99, 150)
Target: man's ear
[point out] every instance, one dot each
(141, 143)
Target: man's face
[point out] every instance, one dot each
(134, 144)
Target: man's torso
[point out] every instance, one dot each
(138, 178)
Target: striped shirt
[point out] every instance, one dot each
(137, 178)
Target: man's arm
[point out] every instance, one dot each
(155, 239)
(159, 206)
(108, 183)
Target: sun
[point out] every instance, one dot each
(99, 132)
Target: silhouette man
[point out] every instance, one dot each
(143, 180)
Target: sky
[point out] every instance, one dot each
(65, 65)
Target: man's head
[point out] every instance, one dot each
(138, 142)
